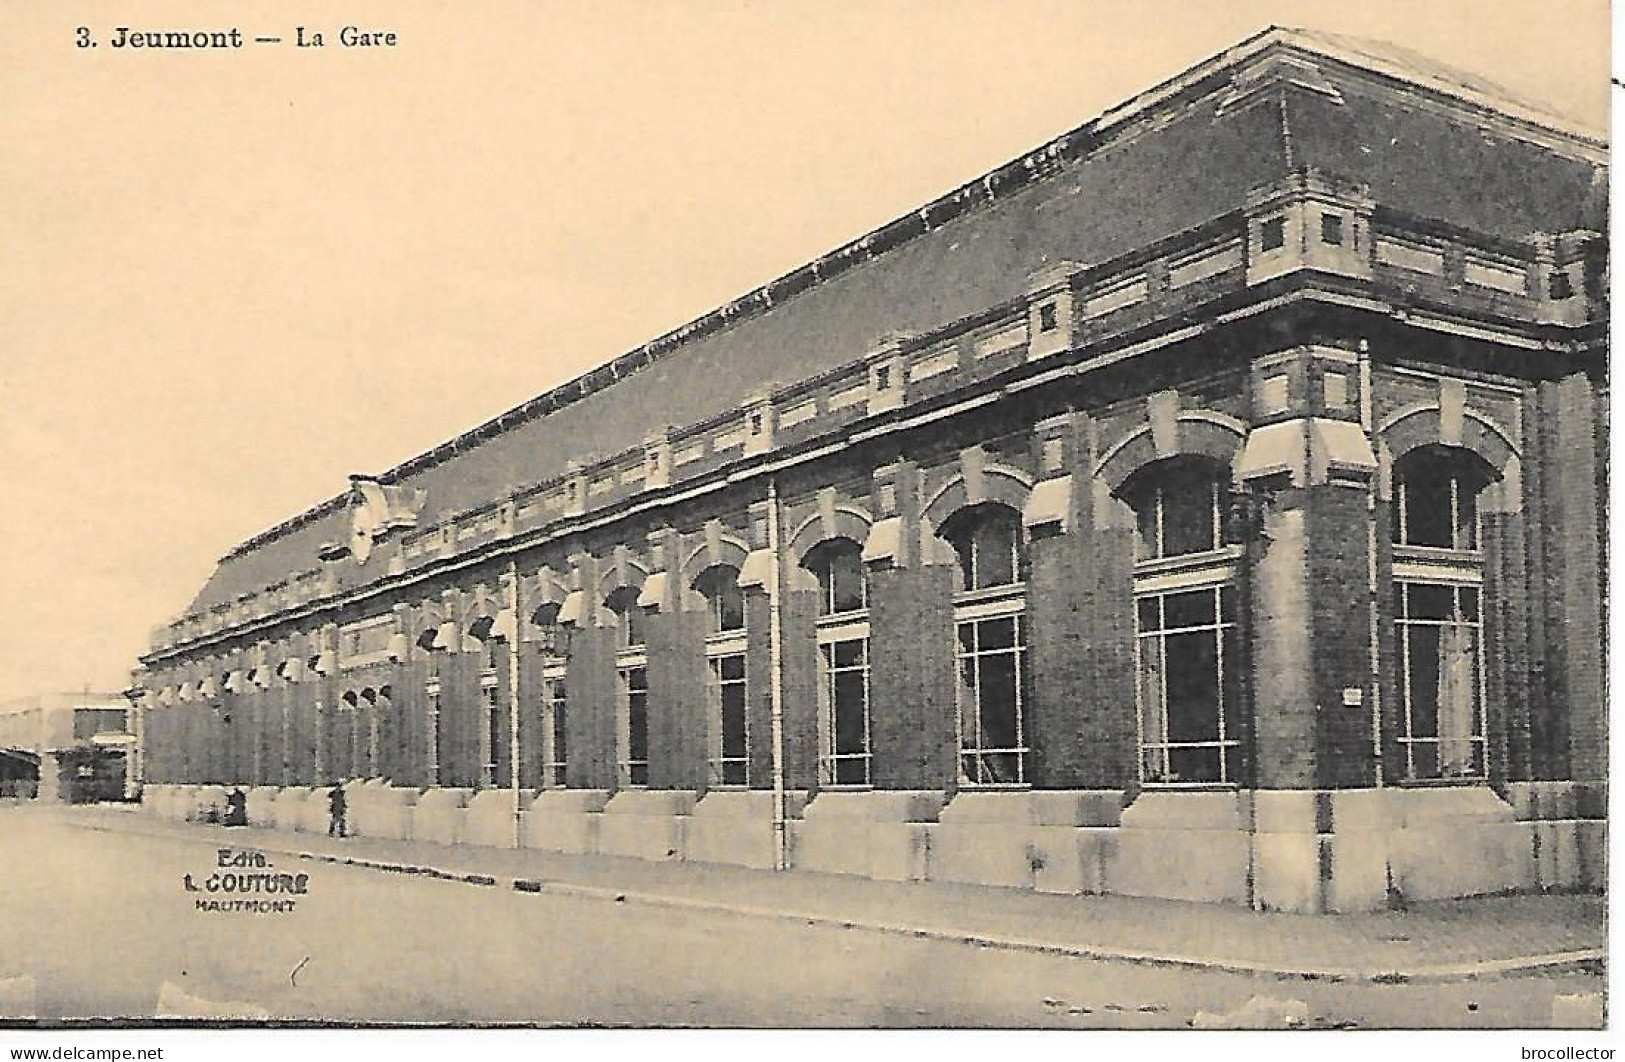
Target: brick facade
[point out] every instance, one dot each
(1301, 375)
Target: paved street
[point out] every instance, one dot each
(100, 921)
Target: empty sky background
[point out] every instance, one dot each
(230, 279)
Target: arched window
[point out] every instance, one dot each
(1179, 505)
(726, 603)
(990, 643)
(843, 661)
(988, 541)
(838, 566)
(1435, 502)
(629, 617)
(1438, 606)
(1187, 643)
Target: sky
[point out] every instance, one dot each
(232, 278)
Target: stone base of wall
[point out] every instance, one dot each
(1569, 832)
(736, 827)
(1051, 841)
(877, 834)
(645, 823)
(1182, 846)
(378, 810)
(489, 820)
(564, 820)
(1284, 850)
(289, 806)
(438, 816)
(261, 805)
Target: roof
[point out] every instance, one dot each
(1081, 198)
(55, 702)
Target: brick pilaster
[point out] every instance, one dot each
(912, 709)
(590, 724)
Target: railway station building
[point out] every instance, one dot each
(1209, 504)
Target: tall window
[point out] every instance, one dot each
(631, 668)
(431, 699)
(370, 750)
(1187, 644)
(843, 662)
(634, 759)
(990, 645)
(491, 714)
(730, 739)
(555, 747)
(384, 723)
(729, 726)
(1438, 589)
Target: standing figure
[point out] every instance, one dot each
(335, 808)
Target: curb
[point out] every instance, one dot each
(1582, 960)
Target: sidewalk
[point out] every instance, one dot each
(1439, 941)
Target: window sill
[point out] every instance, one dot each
(1211, 558)
(1462, 782)
(990, 594)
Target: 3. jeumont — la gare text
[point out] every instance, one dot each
(303, 37)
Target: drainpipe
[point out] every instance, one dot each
(513, 696)
(775, 654)
(1366, 425)
(1370, 565)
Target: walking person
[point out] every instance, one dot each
(336, 808)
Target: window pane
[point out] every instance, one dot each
(733, 720)
(845, 576)
(1145, 523)
(996, 634)
(967, 637)
(1193, 608)
(1468, 597)
(1155, 764)
(1458, 700)
(1427, 509)
(848, 653)
(1424, 760)
(1188, 525)
(1430, 601)
(849, 696)
(637, 716)
(962, 548)
(1422, 675)
(1150, 610)
(1152, 720)
(731, 668)
(1193, 686)
(998, 701)
(730, 608)
(1193, 765)
(995, 552)
(851, 772)
(1466, 516)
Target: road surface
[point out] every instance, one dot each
(101, 924)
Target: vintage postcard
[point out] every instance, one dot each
(705, 514)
